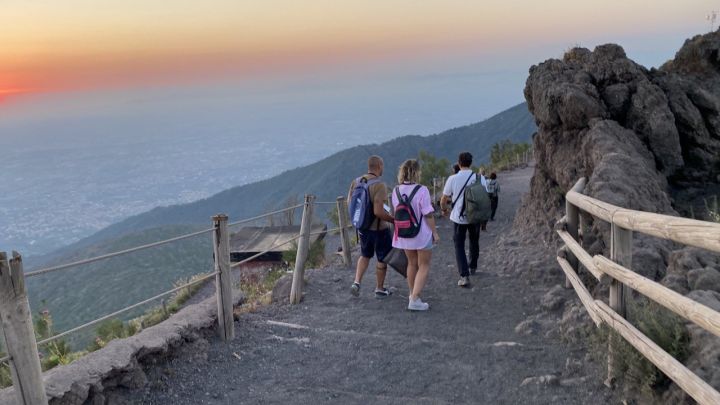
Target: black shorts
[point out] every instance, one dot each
(375, 242)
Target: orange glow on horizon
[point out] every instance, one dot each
(82, 44)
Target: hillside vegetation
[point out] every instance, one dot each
(80, 294)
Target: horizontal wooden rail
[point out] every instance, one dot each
(580, 289)
(581, 254)
(623, 223)
(701, 391)
(691, 310)
(702, 234)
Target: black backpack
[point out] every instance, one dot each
(407, 224)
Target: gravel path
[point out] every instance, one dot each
(334, 348)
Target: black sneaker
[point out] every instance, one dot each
(382, 293)
(473, 271)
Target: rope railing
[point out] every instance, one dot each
(114, 254)
(329, 230)
(30, 379)
(244, 221)
(149, 245)
(128, 308)
(255, 256)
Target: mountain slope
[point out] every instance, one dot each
(85, 292)
(331, 176)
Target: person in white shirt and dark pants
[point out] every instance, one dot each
(453, 193)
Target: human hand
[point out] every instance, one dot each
(436, 238)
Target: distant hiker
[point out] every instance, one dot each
(415, 230)
(453, 193)
(493, 189)
(456, 168)
(367, 213)
(483, 179)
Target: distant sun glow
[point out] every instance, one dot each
(87, 44)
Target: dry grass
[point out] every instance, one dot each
(664, 328)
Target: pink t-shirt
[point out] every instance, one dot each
(421, 205)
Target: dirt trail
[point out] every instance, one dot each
(334, 348)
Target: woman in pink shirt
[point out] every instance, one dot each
(418, 249)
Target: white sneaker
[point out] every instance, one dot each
(464, 281)
(418, 305)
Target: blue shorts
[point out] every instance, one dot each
(375, 242)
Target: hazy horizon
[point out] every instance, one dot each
(108, 111)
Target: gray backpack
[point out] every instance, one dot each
(492, 187)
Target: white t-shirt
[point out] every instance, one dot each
(453, 186)
(483, 181)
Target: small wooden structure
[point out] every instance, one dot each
(251, 240)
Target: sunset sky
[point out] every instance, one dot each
(61, 45)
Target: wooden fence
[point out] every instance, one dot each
(618, 267)
(16, 317)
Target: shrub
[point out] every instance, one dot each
(663, 327)
(432, 167)
(59, 352)
(5, 377)
(712, 209)
(316, 254)
(503, 155)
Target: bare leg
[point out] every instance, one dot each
(380, 272)
(412, 269)
(423, 260)
(362, 265)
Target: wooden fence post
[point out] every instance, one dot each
(17, 326)
(620, 253)
(573, 220)
(302, 251)
(344, 237)
(223, 280)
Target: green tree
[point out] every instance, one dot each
(431, 167)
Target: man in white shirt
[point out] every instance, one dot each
(453, 194)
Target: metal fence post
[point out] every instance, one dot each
(620, 253)
(223, 278)
(344, 237)
(302, 251)
(17, 326)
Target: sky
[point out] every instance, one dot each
(109, 108)
(79, 45)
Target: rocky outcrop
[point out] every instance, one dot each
(646, 139)
(96, 377)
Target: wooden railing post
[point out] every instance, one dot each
(19, 334)
(302, 251)
(572, 215)
(223, 278)
(620, 253)
(344, 236)
(573, 219)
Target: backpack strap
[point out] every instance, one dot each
(415, 190)
(462, 210)
(460, 194)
